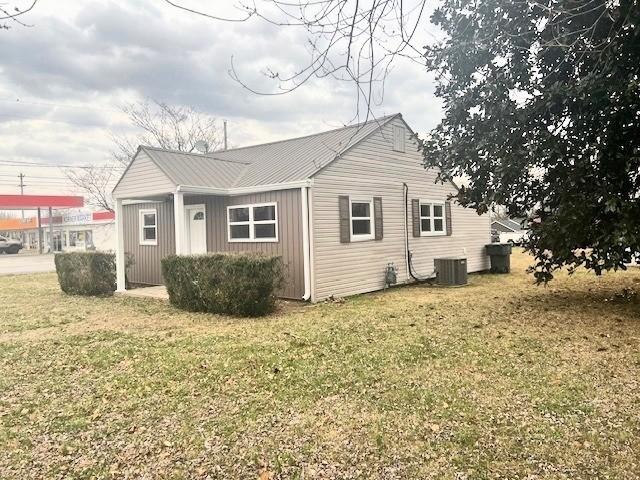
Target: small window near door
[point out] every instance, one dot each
(148, 227)
(198, 216)
(253, 223)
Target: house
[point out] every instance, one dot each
(510, 230)
(337, 206)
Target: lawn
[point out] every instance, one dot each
(499, 379)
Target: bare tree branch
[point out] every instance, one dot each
(160, 125)
(8, 13)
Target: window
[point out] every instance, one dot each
(398, 138)
(148, 227)
(432, 218)
(253, 223)
(361, 219)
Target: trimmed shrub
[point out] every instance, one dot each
(235, 284)
(86, 273)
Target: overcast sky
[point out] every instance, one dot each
(64, 80)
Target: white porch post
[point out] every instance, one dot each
(179, 223)
(120, 254)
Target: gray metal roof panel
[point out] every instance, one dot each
(270, 163)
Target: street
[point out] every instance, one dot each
(25, 263)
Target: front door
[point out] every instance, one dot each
(196, 229)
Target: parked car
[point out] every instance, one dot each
(8, 245)
(514, 238)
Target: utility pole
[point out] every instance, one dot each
(225, 135)
(21, 177)
(22, 233)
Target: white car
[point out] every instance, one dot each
(8, 245)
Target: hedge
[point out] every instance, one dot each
(235, 284)
(86, 273)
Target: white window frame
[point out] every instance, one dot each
(361, 237)
(252, 223)
(141, 225)
(431, 218)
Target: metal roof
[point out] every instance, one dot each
(269, 163)
(508, 223)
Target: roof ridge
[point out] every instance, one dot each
(209, 156)
(379, 120)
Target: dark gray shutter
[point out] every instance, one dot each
(345, 219)
(447, 214)
(415, 213)
(377, 216)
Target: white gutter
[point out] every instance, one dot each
(244, 190)
(306, 251)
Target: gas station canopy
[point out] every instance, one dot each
(24, 202)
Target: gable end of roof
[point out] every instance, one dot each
(381, 124)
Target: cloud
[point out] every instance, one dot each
(84, 60)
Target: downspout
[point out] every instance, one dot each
(306, 251)
(405, 191)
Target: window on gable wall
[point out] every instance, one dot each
(253, 223)
(432, 218)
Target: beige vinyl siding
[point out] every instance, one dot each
(289, 245)
(142, 179)
(146, 269)
(372, 168)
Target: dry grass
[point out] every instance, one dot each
(500, 379)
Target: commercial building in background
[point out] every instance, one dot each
(74, 230)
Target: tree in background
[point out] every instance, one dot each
(160, 125)
(542, 115)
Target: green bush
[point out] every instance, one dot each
(86, 273)
(235, 284)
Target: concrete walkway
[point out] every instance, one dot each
(158, 292)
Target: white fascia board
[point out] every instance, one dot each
(244, 190)
(199, 190)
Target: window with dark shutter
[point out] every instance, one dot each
(432, 218)
(447, 212)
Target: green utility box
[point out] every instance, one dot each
(500, 254)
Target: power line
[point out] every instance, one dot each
(34, 176)
(17, 163)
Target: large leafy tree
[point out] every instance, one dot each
(542, 115)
